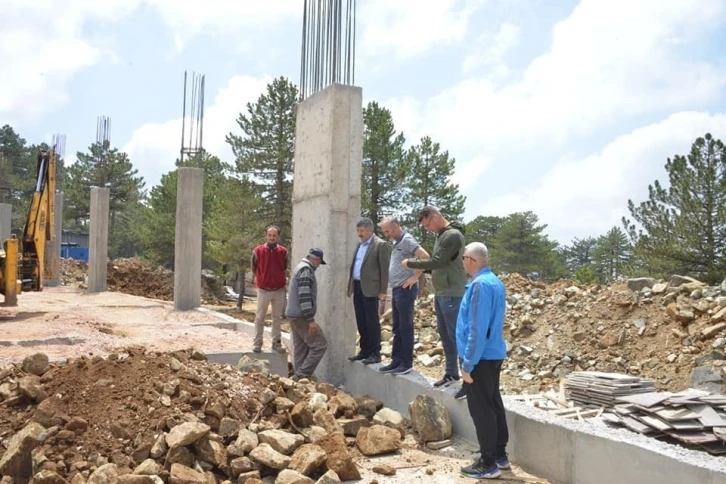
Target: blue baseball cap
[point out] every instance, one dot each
(317, 252)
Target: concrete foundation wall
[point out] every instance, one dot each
(98, 240)
(326, 207)
(188, 239)
(6, 221)
(560, 450)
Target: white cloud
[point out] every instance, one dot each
(409, 28)
(586, 197)
(605, 63)
(154, 147)
(42, 47)
(189, 18)
(488, 50)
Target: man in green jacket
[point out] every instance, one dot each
(449, 280)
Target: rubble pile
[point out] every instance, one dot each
(155, 418)
(131, 276)
(672, 331)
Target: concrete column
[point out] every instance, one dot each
(326, 207)
(98, 240)
(53, 248)
(188, 240)
(6, 221)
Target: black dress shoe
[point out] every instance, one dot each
(357, 357)
(372, 359)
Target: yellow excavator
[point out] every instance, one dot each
(22, 261)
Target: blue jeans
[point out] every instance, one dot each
(402, 304)
(447, 312)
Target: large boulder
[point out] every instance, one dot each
(429, 419)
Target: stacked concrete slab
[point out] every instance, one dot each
(326, 207)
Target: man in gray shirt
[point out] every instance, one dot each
(404, 284)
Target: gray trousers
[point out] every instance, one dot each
(307, 350)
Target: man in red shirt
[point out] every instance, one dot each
(269, 263)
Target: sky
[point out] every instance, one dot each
(566, 108)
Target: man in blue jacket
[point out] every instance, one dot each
(481, 347)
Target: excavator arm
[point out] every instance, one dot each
(22, 262)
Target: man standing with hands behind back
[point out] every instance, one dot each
(368, 284)
(482, 349)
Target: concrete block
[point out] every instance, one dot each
(6, 221)
(188, 240)
(53, 248)
(326, 206)
(98, 240)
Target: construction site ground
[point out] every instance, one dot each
(66, 323)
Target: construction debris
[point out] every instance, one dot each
(693, 417)
(136, 277)
(673, 332)
(177, 418)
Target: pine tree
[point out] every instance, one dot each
(579, 253)
(429, 183)
(611, 255)
(683, 227)
(383, 180)
(265, 152)
(522, 247)
(106, 167)
(17, 173)
(482, 229)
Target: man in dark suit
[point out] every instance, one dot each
(368, 284)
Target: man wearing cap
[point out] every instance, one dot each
(308, 341)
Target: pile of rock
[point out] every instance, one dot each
(144, 418)
(658, 329)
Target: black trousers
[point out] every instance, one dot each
(366, 317)
(487, 410)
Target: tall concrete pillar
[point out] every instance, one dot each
(326, 207)
(6, 221)
(53, 248)
(98, 240)
(188, 239)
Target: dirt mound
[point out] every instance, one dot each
(131, 276)
(673, 331)
(174, 415)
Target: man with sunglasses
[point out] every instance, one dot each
(482, 349)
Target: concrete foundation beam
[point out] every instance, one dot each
(53, 248)
(551, 447)
(6, 221)
(98, 240)
(188, 239)
(326, 206)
